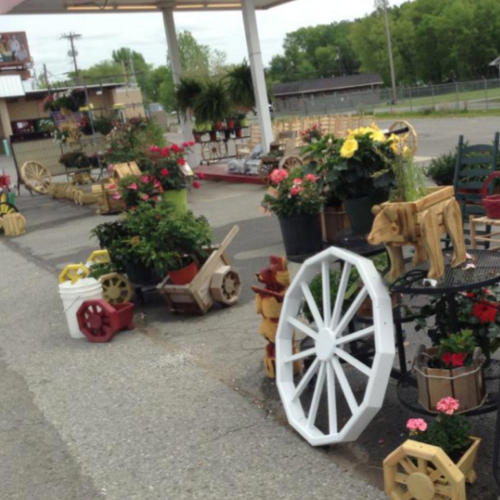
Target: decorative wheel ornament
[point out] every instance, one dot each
(36, 177)
(116, 288)
(418, 471)
(6, 208)
(98, 320)
(290, 162)
(408, 139)
(98, 257)
(73, 273)
(225, 285)
(322, 405)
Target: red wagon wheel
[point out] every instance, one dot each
(98, 320)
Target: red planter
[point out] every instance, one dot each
(230, 123)
(219, 125)
(213, 135)
(100, 321)
(185, 275)
(239, 133)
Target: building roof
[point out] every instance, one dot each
(88, 6)
(11, 86)
(94, 86)
(327, 84)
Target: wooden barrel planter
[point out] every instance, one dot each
(465, 383)
(333, 220)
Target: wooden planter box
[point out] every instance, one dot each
(333, 220)
(106, 203)
(416, 470)
(465, 383)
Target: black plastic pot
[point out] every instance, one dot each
(139, 274)
(301, 236)
(359, 211)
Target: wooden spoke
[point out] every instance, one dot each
(313, 410)
(401, 478)
(356, 335)
(312, 305)
(366, 370)
(408, 465)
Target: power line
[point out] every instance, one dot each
(72, 53)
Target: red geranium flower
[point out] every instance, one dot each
(446, 358)
(164, 171)
(201, 175)
(165, 152)
(196, 185)
(175, 148)
(485, 311)
(458, 359)
(181, 161)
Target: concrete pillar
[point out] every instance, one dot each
(175, 62)
(5, 119)
(259, 80)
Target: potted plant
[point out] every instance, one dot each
(186, 93)
(168, 166)
(212, 104)
(454, 367)
(437, 459)
(239, 85)
(356, 170)
(312, 134)
(296, 199)
(137, 189)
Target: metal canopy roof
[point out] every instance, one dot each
(114, 6)
(11, 86)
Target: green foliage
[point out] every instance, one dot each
(240, 87)
(212, 103)
(99, 269)
(103, 124)
(108, 232)
(186, 94)
(136, 189)
(409, 180)
(294, 193)
(462, 344)
(442, 169)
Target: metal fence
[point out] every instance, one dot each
(456, 96)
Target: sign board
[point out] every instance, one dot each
(14, 50)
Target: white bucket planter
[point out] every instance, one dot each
(73, 296)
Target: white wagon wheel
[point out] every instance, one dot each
(290, 162)
(116, 288)
(408, 139)
(225, 285)
(330, 361)
(36, 177)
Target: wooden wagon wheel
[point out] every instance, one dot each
(290, 162)
(6, 208)
(225, 285)
(418, 471)
(116, 288)
(36, 177)
(408, 139)
(319, 414)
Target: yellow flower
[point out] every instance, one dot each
(378, 136)
(349, 147)
(135, 240)
(374, 126)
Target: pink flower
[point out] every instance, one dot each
(133, 186)
(154, 149)
(278, 175)
(117, 197)
(448, 405)
(187, 144)
(181, 161)
(165, 152)
(191, 143)
(112, 186)
(144, 196)
(164, 171)
(311, 177)
(416, 424)
(297, 181)
(145, 179)
(201, 175)
(196, 185)
(296, 190)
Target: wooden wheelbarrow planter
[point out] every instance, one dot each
(216, 281)
(420, 223)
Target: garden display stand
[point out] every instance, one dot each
(418, 471)
(420, 224)
(329, 337)
(216, 281)
(100, 321)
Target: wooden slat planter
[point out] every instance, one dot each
(333, 220)
(106, 203)
(465, 383)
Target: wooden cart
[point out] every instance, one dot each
(217, 281)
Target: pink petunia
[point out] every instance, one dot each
(112, 186)
(165, 152)
(448, 405)
(133, 186)
(117, 197)
(296, 190)
(164, 172)
(196, 185)
(311, 177)
(416, 424)
(145, 197)
(145, 179)
(297, 181)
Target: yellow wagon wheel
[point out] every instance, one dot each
(290, 162)
(418, 471)
(73, 273)
(116, 288)
(36, 177)
(6, 208)
(409, 138)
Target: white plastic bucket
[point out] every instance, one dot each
(73, 296)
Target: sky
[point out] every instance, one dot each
(103, 33)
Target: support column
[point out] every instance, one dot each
(175, 62)
(258, 78)
(5, 119)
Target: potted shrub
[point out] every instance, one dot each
(212, 104)
(296, 199)
(454, 367)
(239, 86)
(186, 93)
(437, 459)
(355, 169)
(441, 170)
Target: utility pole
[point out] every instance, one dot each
(45, 75)
(384, 5)
(133, 79)
(73, 53)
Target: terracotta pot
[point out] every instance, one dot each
(185, 275)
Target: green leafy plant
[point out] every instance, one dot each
(212, 104)
(294, 193)
(448, 431)
(186, 93)
(75, 159)
(99, 269)
(441, 170)
(103, 124)
(137, 189)
(239, 86)
(456, 350)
